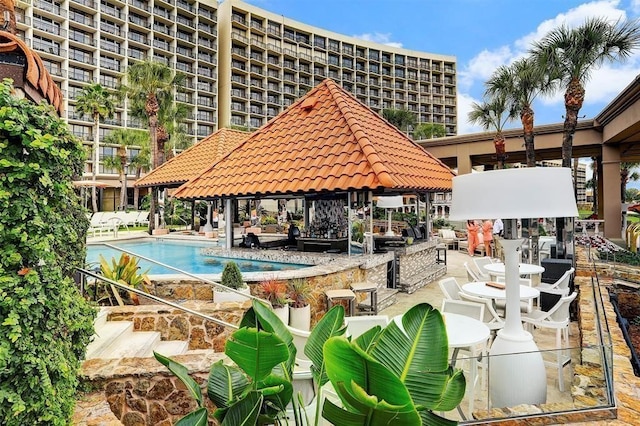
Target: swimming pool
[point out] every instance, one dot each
(184, 255)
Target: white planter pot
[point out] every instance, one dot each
(300, 318)
(282, 313)
(220, 296)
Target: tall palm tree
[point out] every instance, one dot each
(403, 119)
(571, 55)
(627, 174)
(493, 114)
(153, 83)
(95, 101)
(125, 138)
(520, 83)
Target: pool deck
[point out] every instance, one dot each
(626, 386)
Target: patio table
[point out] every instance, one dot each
(535, 271)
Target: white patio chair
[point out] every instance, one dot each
(476, 353)
(490, 317)
(480, 262)
(358, 325)
(450, 288)
(562, 282)
(555, 318)
(471, 274)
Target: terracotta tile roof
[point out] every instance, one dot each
(194, 160)
(35, 72)
(326, 141)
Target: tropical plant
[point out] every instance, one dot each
(627, 173)
(125, 271)
(232, 277)
(520, 83)
(493, 114)
(299, 293)
(569, 55)
(46, 323)
(396, 375)
(96, 102)
(403, 119)
(125, 138)
(429, 131)
(274, 291)
(152, 83)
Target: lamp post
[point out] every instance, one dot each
(516, 370)
(390, 202)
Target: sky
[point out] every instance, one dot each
(481, 34)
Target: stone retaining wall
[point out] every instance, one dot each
(418, 267)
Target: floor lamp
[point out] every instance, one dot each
(516, 369)
(390, 202)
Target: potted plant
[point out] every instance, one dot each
(275, 292)
(299, 308)
(231, 279)
(125, 271)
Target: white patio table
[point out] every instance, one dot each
(481, 289)
(535, 271)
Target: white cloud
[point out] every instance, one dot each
(480, 68)
(464, 107)
(635, 6)
(382, 38)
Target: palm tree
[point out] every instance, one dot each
(428, 131)
(125, 138)
(570, 56)
(96, 102)
(153, 83)
(627, 174)
(520, 83)
(403, 119)
(493, 114)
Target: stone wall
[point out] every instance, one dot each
(418, 267)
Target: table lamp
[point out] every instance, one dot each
(516, 369)
(390, 202)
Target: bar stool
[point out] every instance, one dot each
(372, 289)
(337, 296)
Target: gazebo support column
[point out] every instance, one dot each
(228, 223)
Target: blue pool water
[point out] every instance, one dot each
(182, 255)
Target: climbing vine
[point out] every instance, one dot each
(45, 324)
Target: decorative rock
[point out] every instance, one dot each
(137, 404)
(116, 403)
(157, 413)
(197, 340)
(180, 403)
(161, 390)
(179, 329)
(133, 419)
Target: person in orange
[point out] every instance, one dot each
(472, 236)
(487, 236)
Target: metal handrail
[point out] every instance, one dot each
(155, 298)
(205, 280)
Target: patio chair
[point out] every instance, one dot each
(556, 318)
(562, 282)
(491, 317)
(358, 325)
(450, 288)
(480, 262)
(471, 274)
(448, 237)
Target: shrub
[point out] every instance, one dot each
(46, 324)
(299, 292)
(231, 276)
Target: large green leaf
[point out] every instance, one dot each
(244, 412)
(196, 418)
(366, 340)
(267, 320)
(256, 352)
(340, 416)
(226, 383)
(330, 325)
(183, 374)
(364, 384)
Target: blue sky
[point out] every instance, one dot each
(481, 34)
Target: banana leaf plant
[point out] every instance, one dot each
(398, 375)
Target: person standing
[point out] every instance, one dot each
(498, 227)
(472, 236)
(487, 236)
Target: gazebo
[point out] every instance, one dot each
(326, 146)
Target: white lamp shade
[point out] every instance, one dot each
(390, 202)
(513, 194)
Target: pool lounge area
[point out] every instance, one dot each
(584, 397)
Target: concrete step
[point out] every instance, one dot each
(139, 344)
(101, 318)
(105, 335)
(172, 347)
